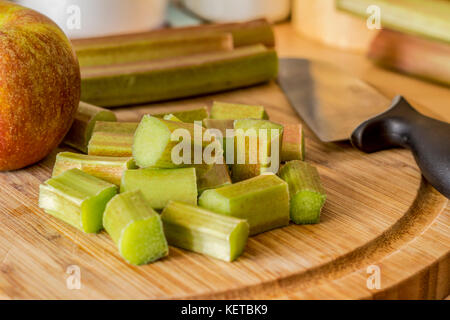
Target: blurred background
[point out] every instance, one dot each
(410, 36)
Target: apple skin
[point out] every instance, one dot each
(39, 86)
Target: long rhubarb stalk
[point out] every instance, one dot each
(413, 55)
(418, 17)
(244, 34)
(156, 47)
(182, 77)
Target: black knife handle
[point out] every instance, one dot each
(403, 126)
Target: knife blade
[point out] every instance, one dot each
(329, 100)
(337, 106)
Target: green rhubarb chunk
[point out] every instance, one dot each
(107, 168)
(293, 146)
(234, 111)
(263, 201)
(116, 139)
(171, 117)
(257, 148)
(159, 186)
(217, 177)
(220, 124)
(224, 133)
(155, 140)
(113, 139)
(187, 116)
(307, 195)
(77, 198)
(136, 228)
(205, 232)
(81, 131)
(152, 81)
(152, 146)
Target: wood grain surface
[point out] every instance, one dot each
(379, 214)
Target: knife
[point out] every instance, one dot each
(337, 106)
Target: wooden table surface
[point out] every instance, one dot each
(379, 213)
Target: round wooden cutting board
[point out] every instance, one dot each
(384, 234)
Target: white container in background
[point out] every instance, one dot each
(94, 18)
(239, 10)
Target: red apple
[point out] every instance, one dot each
(39, 86)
